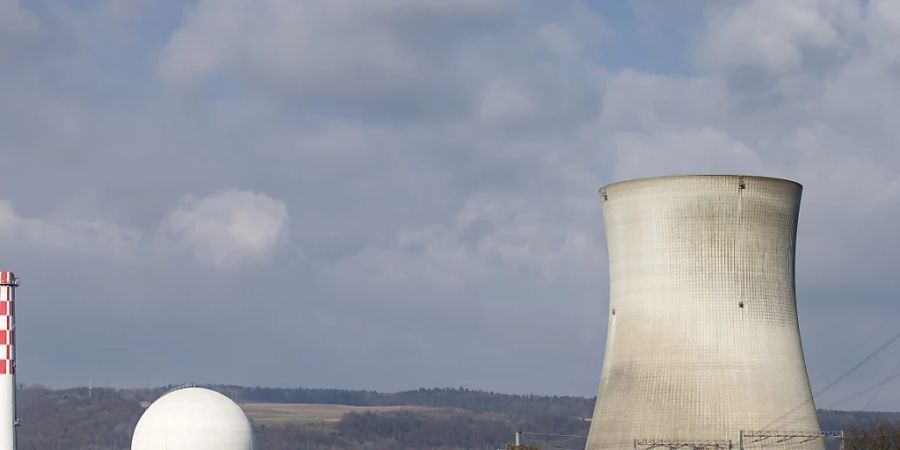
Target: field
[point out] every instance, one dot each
(285, 413)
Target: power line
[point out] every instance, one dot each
(838, 379)
(554, 434)
(857, 394)
(855, 348)
(882, 385)
(859, 364)
(558, 438)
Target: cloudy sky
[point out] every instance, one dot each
(395, 194)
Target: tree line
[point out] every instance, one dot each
(459, 419)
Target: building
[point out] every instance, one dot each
(193, 419)
(703, 340)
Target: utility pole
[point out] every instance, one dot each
(519, 445)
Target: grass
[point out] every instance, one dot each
(285, 413)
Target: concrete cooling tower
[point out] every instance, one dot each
(193, 419)
(703, 340)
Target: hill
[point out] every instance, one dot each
(332, 419)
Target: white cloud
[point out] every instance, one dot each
(492, 233)
(553, 241)
(755, 43)
(229, 228)
(432, 255)
(317, 47)
(15, 20)
(555, 249)
(68, 234)
(415, 60)
(438, 147)
(504, 100)
(20, 30)
(681, 152)
(126, 12)
(883, 31)
(642, 101)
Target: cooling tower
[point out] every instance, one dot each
(8, 283)
(703, 340)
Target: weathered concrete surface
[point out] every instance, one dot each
(703, 337)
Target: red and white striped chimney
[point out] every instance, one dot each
(8, 283)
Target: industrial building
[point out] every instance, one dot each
(703, 339)
(193, 419)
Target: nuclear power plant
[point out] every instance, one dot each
(8, 421)
(703, 345)
(703, 341)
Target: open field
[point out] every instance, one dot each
(284, 413)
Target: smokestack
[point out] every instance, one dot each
(8, 283)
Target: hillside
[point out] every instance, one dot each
(331, 419)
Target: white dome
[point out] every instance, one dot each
(193, 419)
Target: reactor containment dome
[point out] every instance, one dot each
(193, 419)
(703, 343)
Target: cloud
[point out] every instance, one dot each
(414, 257)
(344, 53)
(682, 152)
(445, 155)
(756, 43)
(883, 31)
(508, 231)
(305, 43)
(554, 249)
(229, 228)
(67, 234)
(408, 61)
(491, 231)
(17, 22)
